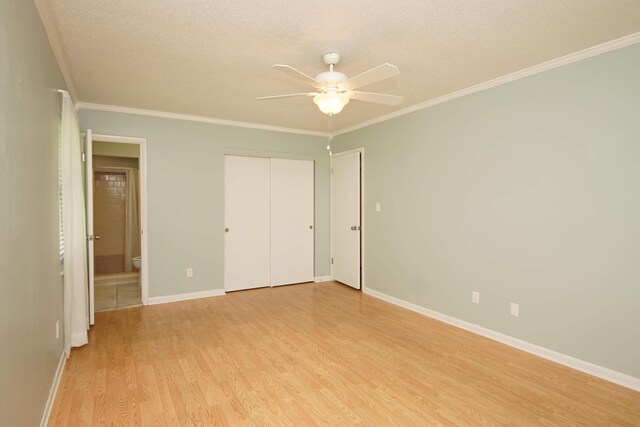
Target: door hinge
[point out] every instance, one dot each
(83, 158)
(331, 260)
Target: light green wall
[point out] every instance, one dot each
(186, 191)
(115, 149)
(30, 283)
(528, 192)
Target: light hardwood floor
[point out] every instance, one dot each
(316, 354)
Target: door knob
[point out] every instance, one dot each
(311, 227)
(355, 227)
(226, 230)
(93, 237)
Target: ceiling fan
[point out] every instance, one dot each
(334, 89)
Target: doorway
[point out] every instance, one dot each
(115, 170)
(347, 218)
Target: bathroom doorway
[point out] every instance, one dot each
(117, 237)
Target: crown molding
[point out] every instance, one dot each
(50, 28)
(201, 119)
(53, 35)
(609, 46)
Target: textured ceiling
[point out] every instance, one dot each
(212, 58)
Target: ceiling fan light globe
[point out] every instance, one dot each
(331, 102)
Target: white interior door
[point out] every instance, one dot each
(291, 221)
(345, 225)
(88, 176)
(247, 223)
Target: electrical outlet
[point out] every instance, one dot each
(57, 329)
(475, 297)
(515, 309)
(377, 206)
(189, 272)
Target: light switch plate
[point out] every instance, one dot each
(515, 309)
(475, 297)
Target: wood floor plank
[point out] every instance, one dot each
(316, 354)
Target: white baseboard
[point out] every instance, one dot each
(184, 297)
(53, 390)
(563, 359)
(319, 279)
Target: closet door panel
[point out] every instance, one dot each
(292, 231)
(247, 219)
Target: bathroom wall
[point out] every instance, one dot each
(30, 284)
(109, 204)
(186, 191)
(115, 162)
(115, 149)
(528, 193)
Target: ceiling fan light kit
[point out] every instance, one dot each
(334, 89)
(331, 102)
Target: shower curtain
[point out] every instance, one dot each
(132, 219)
(76, 321)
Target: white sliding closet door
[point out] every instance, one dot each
(291, 221)
(247, 223)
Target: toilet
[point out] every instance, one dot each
(137, 261)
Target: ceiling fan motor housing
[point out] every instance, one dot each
(331, 79)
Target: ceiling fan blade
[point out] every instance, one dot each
(287, 95)
(378, 98)
(297, 74)
(381, 72)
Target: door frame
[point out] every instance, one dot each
(362, 212)
(88, 183)
(144, 243)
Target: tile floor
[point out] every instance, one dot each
(117, 290)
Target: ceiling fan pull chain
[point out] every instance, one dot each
(330, 135)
